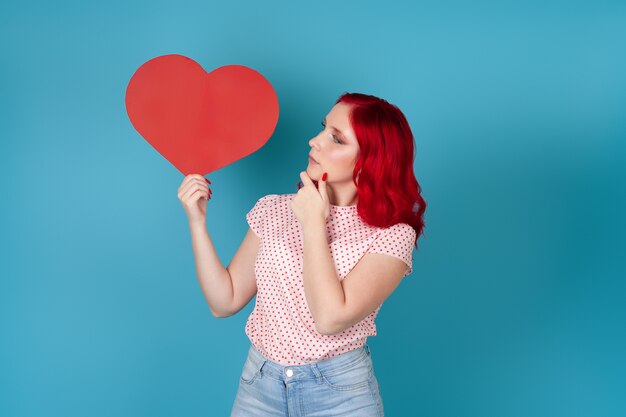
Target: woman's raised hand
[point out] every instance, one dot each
(193, 193)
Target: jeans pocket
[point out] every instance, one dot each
(250, 371)
(354, 376)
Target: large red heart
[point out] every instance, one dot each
(201, 121)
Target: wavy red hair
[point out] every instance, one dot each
(388, 192)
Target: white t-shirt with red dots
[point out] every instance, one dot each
(281, 326)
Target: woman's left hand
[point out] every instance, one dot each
(310, 204)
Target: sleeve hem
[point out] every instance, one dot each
(409, 268)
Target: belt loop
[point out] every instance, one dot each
(318, 374)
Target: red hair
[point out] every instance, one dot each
(388, 192)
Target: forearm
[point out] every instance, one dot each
(214, 279)
(322, 288)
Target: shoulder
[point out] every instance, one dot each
(400, 236)
(267, 199)
(273, 203)
(275, 199)
(399, 230)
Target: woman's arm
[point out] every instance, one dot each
(214, 279)
(322, 288)
(337, 305)
(226, 290)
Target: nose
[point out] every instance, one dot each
(313, 143)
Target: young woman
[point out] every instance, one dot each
(321, 262)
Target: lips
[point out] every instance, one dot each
(313, 159)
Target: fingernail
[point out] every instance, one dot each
(324, 177)
(207, 181)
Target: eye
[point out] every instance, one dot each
(335, 137)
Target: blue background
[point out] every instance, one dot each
(515, 306)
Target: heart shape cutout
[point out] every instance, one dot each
(201, 121)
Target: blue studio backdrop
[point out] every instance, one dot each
(515, 305)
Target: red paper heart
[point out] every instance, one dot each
(201, 121)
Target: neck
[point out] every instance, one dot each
(342, 195)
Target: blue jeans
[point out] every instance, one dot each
(343, 385)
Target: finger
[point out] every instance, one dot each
(194, 193)
(306, 180)
(185, 182)
(322, 189)
(193, 182)
(189, 178)
(197, 195)
(194, 176)
(192, 186)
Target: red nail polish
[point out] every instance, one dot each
(207, 181)
(324, 177)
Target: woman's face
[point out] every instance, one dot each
(335, 148)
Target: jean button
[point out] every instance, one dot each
(289, 372)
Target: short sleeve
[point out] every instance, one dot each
(257, 216)
(397, 241)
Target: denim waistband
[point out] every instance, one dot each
(313, 370)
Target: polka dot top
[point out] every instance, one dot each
(281, 326)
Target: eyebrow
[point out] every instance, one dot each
(334, 128)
